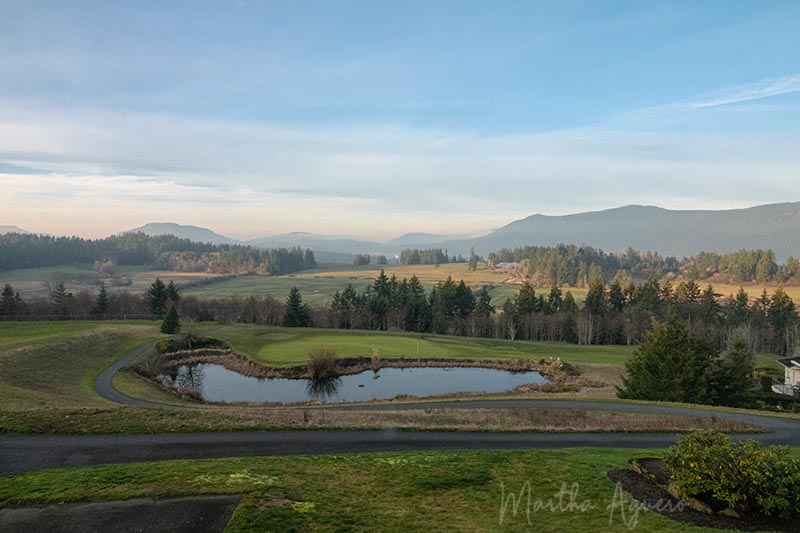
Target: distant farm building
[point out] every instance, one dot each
(507, 266)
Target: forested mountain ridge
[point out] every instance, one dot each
(647, 228)
(167, 252)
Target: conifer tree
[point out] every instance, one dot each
(668, 366)
(101, 304)
(295, 311)
(171, 323)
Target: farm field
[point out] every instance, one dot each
(318, 286)
(368, 492)
(39, 282)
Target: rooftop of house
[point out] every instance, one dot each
(791, 362)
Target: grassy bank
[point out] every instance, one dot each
(52, 365)
(419, 491)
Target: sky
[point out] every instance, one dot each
(372, 119)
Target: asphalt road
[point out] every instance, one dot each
(21, 453)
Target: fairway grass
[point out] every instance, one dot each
(290, 346)
(408, 491)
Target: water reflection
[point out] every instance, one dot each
(189, 377)
(215, 383)
(321, 389)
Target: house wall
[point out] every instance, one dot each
(792, 376)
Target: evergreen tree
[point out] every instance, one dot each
(102, 303)
(157, 296)
(483, 303)
(527, 302)
(171, 323)
(10, 301)
(595, 301)
(309, 261)
(473, 260)
(668, 366)
(569, 306)
(417, 309)
(464, 301)
(732, 377)
(616, 297)
(295, 311)
(738, 308)
(173, 294)
(61, 301)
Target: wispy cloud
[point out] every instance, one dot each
(752, 91)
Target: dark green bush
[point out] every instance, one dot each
(742, 475)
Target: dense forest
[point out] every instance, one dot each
(576, 266)
(430, 256)
(165, 252)
(611, 313)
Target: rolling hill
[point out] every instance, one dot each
(13, 229)
(193, 233)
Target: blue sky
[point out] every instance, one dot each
(376, 118)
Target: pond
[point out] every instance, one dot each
(215, 383)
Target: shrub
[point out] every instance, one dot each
(171, 323)
(322, 363)
(742, 475)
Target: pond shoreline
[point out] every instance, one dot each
(559, 377)
(553, 369)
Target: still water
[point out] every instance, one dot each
(215, 383)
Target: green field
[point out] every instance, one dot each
(414, 491)
(290, 346)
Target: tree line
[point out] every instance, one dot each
(577, 266)
(610, 313)
(429, 256)
(166, 252)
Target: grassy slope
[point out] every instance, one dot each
(430, 491)
(52, 365)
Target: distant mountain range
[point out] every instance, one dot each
(669, 232)
(193, 233)
(643, 228)
(13, 229)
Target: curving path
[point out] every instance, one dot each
(21, 453)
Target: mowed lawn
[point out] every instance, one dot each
(408, 491)
(288, 346)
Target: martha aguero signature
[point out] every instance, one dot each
(621, 507)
